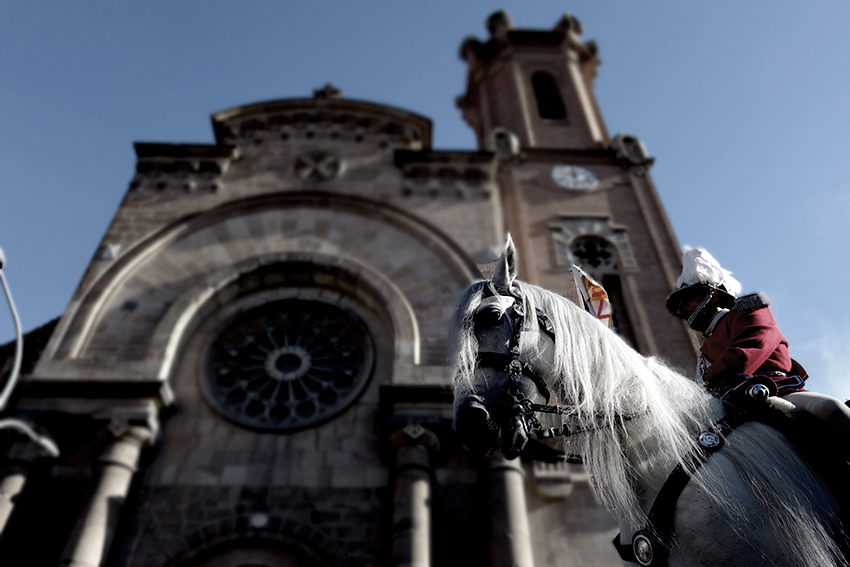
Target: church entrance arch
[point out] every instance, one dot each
(256, 551)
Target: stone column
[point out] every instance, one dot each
(412, 496)
(510, 538)
(89, 543)
(21, 458)
(13, 477)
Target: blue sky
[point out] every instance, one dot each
(743, 104)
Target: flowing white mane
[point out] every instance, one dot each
(601, 378)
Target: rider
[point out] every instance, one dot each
(742, 338)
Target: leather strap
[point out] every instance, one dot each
(500, 361)
(659, 528)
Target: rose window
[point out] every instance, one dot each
(289, 365)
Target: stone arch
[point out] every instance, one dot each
(219, 288)
(129, 322)
(302, 280)
(311, 546)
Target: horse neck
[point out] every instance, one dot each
(645, 448)
(614, 379)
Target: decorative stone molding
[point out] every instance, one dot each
(187, 175)
(569, 22)
(567, 31)
(414, 443)
(447, 175)
(317, 166)
(630, 150)
(499, 23)
(552, 481)
(503, 143)
(321, 118)
(174, 167)
(565, 232)
(108, 251)
(328, 91)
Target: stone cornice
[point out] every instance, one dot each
(191, 166)
(440, 174)
(335, 118)
(183, 151)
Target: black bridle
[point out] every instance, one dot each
(524, 418)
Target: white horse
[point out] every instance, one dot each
(753, 502)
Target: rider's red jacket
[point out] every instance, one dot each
(746, 341)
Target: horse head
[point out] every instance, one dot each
(497, 384)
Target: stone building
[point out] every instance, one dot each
(253, 369)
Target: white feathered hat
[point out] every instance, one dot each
(700, 271)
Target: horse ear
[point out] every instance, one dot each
(505, 273)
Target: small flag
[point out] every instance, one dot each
(594, 296)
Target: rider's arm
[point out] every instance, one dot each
(753, 338)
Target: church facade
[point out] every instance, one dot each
(254, 368)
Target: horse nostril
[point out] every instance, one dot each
(478, 408)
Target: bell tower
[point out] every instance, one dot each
(572, 194)
(536, 84)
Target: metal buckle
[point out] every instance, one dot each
(709, 440)
(643, 549)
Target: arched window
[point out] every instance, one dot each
(598, 258)
(549, 102)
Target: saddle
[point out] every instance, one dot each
(827, 452)
(728, 386)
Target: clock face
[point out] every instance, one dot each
(574, 177)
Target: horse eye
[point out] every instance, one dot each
(488, 316)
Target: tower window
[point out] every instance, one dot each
(599, 259)
(549, 101)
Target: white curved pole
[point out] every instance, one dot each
(46, 444)
(19, 341)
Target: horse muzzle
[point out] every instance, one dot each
(475, 427)
(484, 433)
